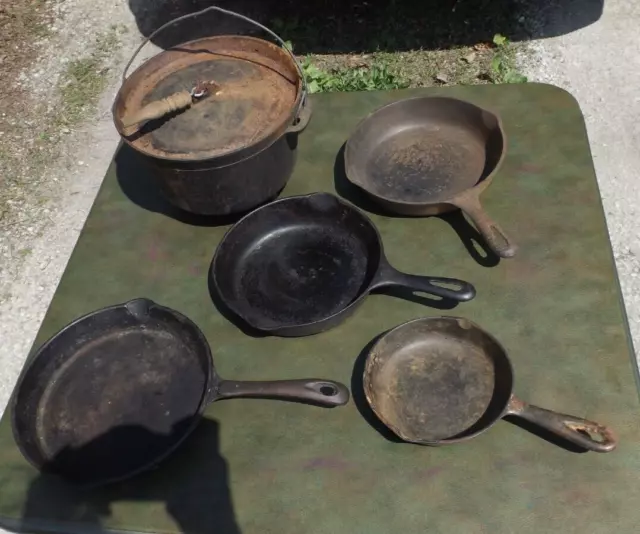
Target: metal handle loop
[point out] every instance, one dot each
(233, 14)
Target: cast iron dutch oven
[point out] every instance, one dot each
(231, 150)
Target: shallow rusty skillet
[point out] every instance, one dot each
(442, 380)
(430, 155)
(116, 391)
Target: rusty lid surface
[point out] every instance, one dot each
(256, 98)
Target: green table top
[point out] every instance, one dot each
(257, 466)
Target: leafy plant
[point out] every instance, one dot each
(503, 64)
(375, 77)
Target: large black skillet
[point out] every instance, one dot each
(302, 264)
(442, 380)
(116, 391)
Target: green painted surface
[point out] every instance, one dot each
(274, 467)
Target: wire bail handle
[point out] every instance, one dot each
(279, 40)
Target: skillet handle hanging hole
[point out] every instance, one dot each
(586, 434)
(317, 391)
(452, 288)
(331, 392)
(445, 288)
(328, 390)
(596, 432)
(495, 237)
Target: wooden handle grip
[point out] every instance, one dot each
(159, 108)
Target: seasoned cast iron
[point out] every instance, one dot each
(302, 264)
(116, 391)
(236, 148)
(441, 380)
(429, 155)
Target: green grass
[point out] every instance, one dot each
(84, 79)
(503, 63)
(80, 86)
(364, 78)
(483, 63)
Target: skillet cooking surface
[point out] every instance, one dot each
(296, 265)
(109, 398)
(126, 377)
(296, 261)
(427, 162)
(433, 380)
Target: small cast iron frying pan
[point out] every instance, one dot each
(302, 264)
(429, 155)
(442, 380)
(116, 391)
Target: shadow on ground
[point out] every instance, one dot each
(358, 26)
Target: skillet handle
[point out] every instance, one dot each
(495, 236)
(574, 429)
(313, 390)
(447, 288)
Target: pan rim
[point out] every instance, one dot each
(205, 399)
(454, 439)
(485, 182)
(283, 328)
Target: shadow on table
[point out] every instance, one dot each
(359, 26)
(192, 486)
(544, 434)
(138, 183)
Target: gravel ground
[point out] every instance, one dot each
(599, 64)
(41, 221)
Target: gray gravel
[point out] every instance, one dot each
(38, 235)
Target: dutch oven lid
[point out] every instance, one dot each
(256, 97)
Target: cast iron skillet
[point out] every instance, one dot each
(442, 380)
(116, 391)
(429, 155)
(302, 264)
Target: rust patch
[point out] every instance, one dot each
(257, 85)
(429, 384)
(516, 405)
(428, 164)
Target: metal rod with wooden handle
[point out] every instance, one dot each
(159, 108)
